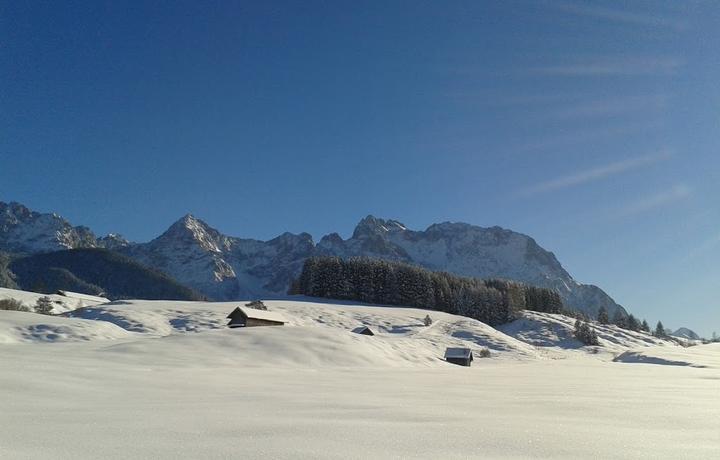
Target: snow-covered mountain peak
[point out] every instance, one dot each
(372, 226)
(26, 231)
(447, 227)
(191, 230)
(224, 267)
(292, 239)
(113, 241)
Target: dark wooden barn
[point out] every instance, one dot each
(363, 330)
(250, 317)
(459, 356)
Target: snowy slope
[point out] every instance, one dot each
(61, 304)
(703, 356)
(18, 327)
(553, 330)
(400, 331)
(176, 383)
(402, 338)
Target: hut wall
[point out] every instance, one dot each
(459, 361)
(251, 322)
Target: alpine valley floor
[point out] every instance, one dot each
(149, 380)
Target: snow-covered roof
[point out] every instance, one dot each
(261, 314)
(77, 295)
(361, 329)
(462, 353)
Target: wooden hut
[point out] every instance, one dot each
(250, 317)
(459, 356)
(86, 297)
(363, 330)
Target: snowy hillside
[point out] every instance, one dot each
(19, 327)
(400, 332)
(401, 339)
(552, 330)
(701, 356)
(61, 304)
(171, 377)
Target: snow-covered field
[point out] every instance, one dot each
(162, 379)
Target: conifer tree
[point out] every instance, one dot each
(603, 316)
(660, 330)
(377, 281)
(632, 323)
(619, 319)
(584, 333)
(44, 305)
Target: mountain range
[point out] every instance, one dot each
(223, 267)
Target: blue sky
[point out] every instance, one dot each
(591, 126)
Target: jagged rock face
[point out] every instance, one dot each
(222, 267)
(228, 268)
(26, 231)
(113, 242)
(192, 253)
(469, 250)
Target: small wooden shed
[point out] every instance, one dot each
(250, 317)
(363, 330)
(86, 297)
(459, 356)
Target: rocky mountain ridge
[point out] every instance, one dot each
(25, 231)
(227, 268)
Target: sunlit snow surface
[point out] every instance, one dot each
(159, 379)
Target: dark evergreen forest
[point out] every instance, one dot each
(378, 281)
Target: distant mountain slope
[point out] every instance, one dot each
(93, 271)
(685, 333)
(28, 232)
(470, 250)
(222, 267)
(228, 268)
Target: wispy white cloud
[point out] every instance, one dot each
(592, 134)
(709, 245)
(658, 200)
(617, 15)
(612, 67)
(609, 106)
(594, 174)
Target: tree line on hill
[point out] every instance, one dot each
(43, 305)
(631, 323)
(369, 280)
